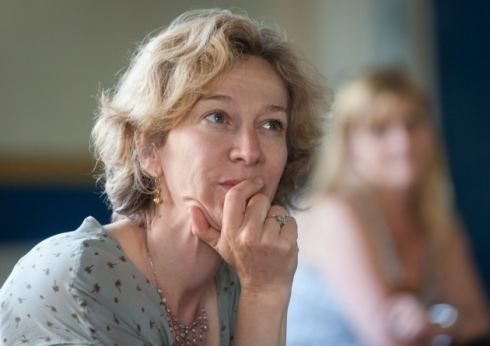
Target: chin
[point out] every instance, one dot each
(214, 215)
(218, 219)
(401, 183)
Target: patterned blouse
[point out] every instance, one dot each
(79, 288)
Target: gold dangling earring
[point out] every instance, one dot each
(157, 197)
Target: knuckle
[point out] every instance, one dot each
(269, 244)
(289, 245)
(290, 248)
(248, 239)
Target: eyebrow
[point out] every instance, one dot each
(225, 98)
(218, 97)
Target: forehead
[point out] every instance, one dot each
(250, 77)
(390, 107)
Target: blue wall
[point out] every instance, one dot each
(35, 212)
(463, 48)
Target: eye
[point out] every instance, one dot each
(378, 129)
(216, 117)
(273, 125)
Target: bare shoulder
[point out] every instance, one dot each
(333, 214)
(338, 207)
(331, 223)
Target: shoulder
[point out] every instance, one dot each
(68, 252)
(57, 252)
(327, 210)
(64, 255)
(336, 210)
(327, 222)
(38, 299)
(71, 284)
(65, 262)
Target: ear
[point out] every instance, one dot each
(148, 157)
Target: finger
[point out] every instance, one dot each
(255, 214)
(277, 210)
(289, 231)
(236, 202)
(272, 227)
(201, 228)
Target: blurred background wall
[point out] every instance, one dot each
(56, 55)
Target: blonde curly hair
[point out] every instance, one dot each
(170, 73)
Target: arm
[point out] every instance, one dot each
(461, 287)
(264, 256)
(340, 247)
(261, 319)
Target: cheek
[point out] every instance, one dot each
(276, 154)
(369, 159)
(199, 167)
(364, 151)
(278, 158)
(184, 161)
(425, 147)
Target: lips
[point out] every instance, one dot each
(228, 184)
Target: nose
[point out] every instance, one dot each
(400, 138)
(247, 148)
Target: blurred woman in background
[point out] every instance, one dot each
(381, 247)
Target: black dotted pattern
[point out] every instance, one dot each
(79, 288)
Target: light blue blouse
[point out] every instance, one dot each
(79, 288)
(315, 318)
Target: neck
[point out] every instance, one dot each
(183, 266)
(397, 206)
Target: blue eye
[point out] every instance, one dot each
(273, 125)
(216, 118)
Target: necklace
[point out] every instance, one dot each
(184, 334)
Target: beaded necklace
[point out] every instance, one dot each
(183, 334)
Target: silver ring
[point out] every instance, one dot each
(281, 219)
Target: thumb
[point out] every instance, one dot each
(202, 229)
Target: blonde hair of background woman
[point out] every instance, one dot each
(354, 106)
(170, 73)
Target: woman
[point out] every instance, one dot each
(205, 141)
(381, 244)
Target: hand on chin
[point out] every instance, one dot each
(212, 216)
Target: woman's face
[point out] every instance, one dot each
(393, 150)
(237, 131)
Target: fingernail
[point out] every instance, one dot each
(259, 181)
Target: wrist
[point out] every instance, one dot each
(266, 295)
(261, 317)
